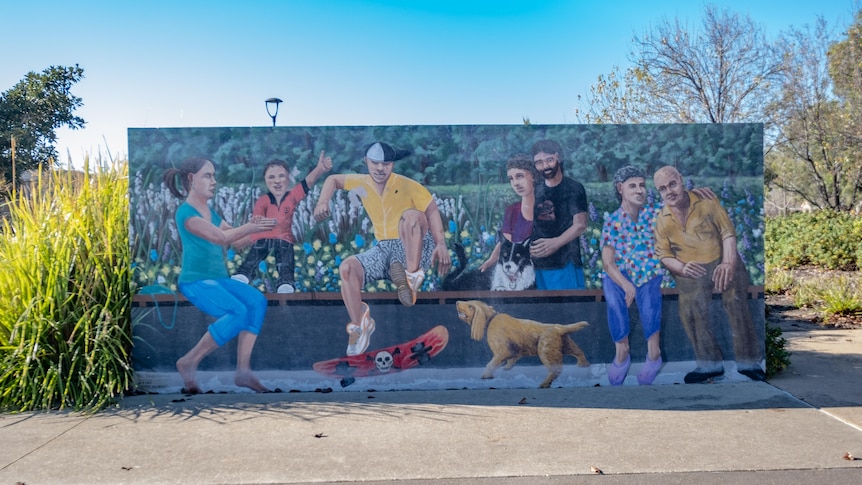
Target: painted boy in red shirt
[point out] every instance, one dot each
(279, 204)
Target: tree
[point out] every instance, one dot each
(819, 129)
(845, 69)
(31, 111)
(845, 63)
(726, 72)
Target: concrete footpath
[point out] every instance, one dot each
(795, 429)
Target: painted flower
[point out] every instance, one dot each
(594, 213)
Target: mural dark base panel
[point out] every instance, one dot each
(299, 333)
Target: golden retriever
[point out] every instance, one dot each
(511, 338)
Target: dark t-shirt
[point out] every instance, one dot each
(555, 208)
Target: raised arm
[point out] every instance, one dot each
(330, 185)
(324, 164)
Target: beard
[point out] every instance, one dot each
(550, 173)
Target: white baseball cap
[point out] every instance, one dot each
(380, 152)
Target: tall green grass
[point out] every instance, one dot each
(65, 293)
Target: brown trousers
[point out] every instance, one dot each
(695, 296)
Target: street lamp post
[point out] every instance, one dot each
(270, 103)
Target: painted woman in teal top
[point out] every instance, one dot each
(239, 309)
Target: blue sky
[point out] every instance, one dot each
(340, 62)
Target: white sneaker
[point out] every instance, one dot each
(285, 288)
(407, 284)
(240, 277)
(360, 335)
(353, 340)
(415, 280)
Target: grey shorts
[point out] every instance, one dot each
(376, 260)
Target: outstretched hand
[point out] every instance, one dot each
(259, 223)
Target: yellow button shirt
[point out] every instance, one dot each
(701, 238)
(400, 194)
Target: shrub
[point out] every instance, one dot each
(808, 293)
(64, 323)
(841, 296)
(826, 239)
(777, 281)
(777, 355)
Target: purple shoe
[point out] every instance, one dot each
(617, 373)
(648, 371)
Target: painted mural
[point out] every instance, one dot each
(429, 257)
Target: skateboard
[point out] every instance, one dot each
(388, 360)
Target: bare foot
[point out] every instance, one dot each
(187, 372)
(247, 379)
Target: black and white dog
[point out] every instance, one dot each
(513, 271)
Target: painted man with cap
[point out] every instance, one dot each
(409, 233)
(696, 242)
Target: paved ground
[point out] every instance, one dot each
(795, 429)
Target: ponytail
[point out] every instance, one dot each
(189, 166)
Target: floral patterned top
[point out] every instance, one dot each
(633, 243)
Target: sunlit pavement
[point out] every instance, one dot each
(799, 428)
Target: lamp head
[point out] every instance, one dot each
(272, 108)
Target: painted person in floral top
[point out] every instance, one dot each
(633, 273)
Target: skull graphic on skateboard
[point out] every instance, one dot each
(388, 360)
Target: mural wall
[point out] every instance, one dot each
(417, 257)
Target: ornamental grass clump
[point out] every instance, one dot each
(65, 292)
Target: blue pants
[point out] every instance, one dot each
(566, 278)
(237, 306)
(648, 300)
